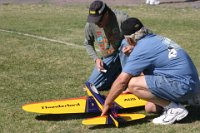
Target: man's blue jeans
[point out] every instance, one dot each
(113, 65)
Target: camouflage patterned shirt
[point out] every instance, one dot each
(108, 39)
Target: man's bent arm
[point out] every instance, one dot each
(89, 41)
(117, 88)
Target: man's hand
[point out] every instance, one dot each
(99, 64)
(106, 107)
(127, 49)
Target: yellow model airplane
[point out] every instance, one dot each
(92, 103)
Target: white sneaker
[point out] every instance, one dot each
(173, 112)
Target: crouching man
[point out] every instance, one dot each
(169, 75)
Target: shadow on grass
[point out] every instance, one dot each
(192, 116)
(61, 117)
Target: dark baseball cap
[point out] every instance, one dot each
(96, 11)
(131, 25)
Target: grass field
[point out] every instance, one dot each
(34, 69)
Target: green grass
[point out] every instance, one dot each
(35, 70)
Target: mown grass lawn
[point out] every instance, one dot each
(33, 69)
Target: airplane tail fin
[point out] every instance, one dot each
(131, 117)
(110, 119)
(113, 117)
(99, 120)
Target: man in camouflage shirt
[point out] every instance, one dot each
(103, 26)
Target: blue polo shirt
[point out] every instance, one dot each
(157, 55)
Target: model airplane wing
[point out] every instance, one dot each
(129, 101)
(81, 105)
(73, 105)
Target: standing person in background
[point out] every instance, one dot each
(153, 2)
(170, 77)
(103, 26)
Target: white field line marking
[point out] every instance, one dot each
(42, 38)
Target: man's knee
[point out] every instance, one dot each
(134, 90)
(133, 82)
(153, 108)
(137, 82)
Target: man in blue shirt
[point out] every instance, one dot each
(159, 71)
